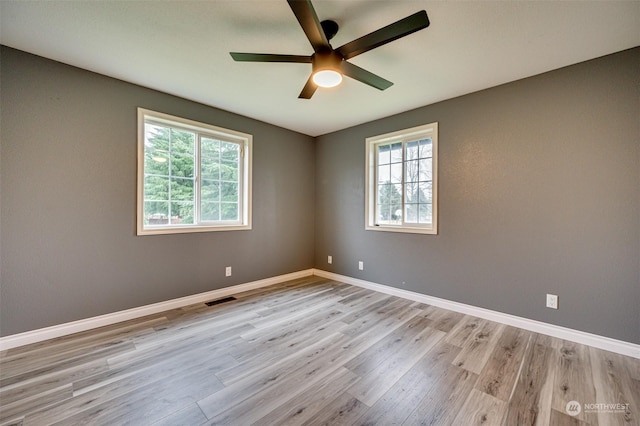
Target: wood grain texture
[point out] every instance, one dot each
(573, 381)
(481, 409)
(528, 401)
(478, 348)
(461, 332)
(431, 390)
(612, 383)
(499, 375)
(312, 351)
(312, 401)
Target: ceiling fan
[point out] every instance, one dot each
(329, 64)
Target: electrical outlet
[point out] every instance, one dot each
(329, 260)
(552, 301)
(227, 271)
(361, 265)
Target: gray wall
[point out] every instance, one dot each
(68, 182)
(539, 192)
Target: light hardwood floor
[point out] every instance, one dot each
(314, 351)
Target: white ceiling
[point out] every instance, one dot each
(181, 47)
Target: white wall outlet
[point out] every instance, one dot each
(361, 265)
(329, 260)
(227, 271)
(552, 301)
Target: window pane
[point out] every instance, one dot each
(229, 191)
(411, 213)
(182, 213)
(389, 214)
(425, 169)
(425, 192)
(209, 148)
(411, 192)
(229, 151)
(156, 188)
(182, 165)
(384, 174)
(384, 154)
(412, 150)
(210, 211)
(229, 211)
(210, 190)
(229, 171)
(383, 213)
(210, 168)
(412, 171)
(425, 213)
(396, 152)
(396, 173)
(156, 138)
(426, 148)
(182, 142)
(156, 162)
(182, 190)
(396, 213)
(156, 212)
(383, 194)
(390, 194)
(396, 194)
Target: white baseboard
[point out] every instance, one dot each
(52, 332)
(601, 342)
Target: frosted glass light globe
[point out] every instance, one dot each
(327, 78)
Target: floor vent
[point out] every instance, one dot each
(219, 301)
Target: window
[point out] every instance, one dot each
(401, 181)
(192, 177)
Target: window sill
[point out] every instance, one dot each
(192, 229)
(403, 229)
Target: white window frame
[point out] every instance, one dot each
(201, 129)
(404, 136)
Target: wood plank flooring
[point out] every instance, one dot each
(315, 352)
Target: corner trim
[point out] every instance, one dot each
(600, 342)
(34, 336)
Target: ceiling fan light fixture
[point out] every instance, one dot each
(327, 78)
(328, 65)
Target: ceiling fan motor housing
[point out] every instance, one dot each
(326, 61)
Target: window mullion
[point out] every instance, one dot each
(170, 176)
(196, 180)
(376, 200)
(241, 183)
(404, 182)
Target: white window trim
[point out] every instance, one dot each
(246, 141)
(430, 130)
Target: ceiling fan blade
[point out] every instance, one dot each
(364, 76)
(309, 89)
(398, 29)
(306, 15)
(268, 57)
